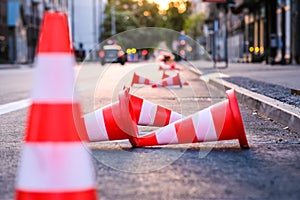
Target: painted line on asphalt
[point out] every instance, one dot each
(13, 106)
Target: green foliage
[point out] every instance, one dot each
(124, 21)
(131, 14)
(194, 25)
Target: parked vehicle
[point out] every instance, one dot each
(112, 54)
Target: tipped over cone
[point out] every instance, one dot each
(101, 124)
(221, 121)
(169, 81)
(54, 162)
(165, 75)
(112, 122)
(137, 79)
(168, 66)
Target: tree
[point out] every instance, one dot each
(124, 21)
(176, 15)
(130, 14)
(193, 25)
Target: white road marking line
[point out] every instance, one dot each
(13, 106)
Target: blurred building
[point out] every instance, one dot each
(19, 27)
(86, 19)
(254, 31)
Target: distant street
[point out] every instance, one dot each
(216, 170)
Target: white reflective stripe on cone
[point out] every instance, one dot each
(169, 81)
(55, 167)
(95, 126)
(167, 135)
(204, 125)
(148, 111)
(54, 78)
(141, 79)
(174, 117)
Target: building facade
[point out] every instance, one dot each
(256, 30)
(19, 27)
(86, 19)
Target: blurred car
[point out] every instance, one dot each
(112, 54)
(165, 56)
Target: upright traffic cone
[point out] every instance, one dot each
(164, 75)
(221, 121)
(101, 124)
(137, 79)
(54, 163)
(170, 81)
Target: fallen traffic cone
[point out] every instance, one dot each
(101, 124)
(168, 66)
(170, 81)
(164, 75)
(150, 114)
(112, 122)
(137, 79)
(221, 121)
(54, 162)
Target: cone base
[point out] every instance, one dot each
(238, 119)
(78, 195)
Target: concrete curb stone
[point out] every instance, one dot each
(285, 114)
(278, 111)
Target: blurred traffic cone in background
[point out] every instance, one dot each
(168, 66)
(221, 121)
(137, 79)
(165, 75)
(169, 81)
(113, 122)
(101, 124)
(54, 161)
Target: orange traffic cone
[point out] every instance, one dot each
(168, 66)
(221, 121)
(164, 75)
(101, 124)
(170, 81)
(150, 114)
(137, 79)
(112, 122)
(54, 163)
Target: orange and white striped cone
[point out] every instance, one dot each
(150, 114)
(54, 163)
(137, 79)
(101, 124)
(112, 122)
(164, 75)
(170, 81)
(168, 66)
(221, 121)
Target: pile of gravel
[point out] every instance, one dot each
(278, 92)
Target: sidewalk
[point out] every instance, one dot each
(267, 89)
(14, 66)
(286, 75)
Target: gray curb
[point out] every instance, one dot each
(285, 114)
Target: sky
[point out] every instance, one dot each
(164, 4)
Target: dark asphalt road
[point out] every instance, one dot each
(270, 169)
